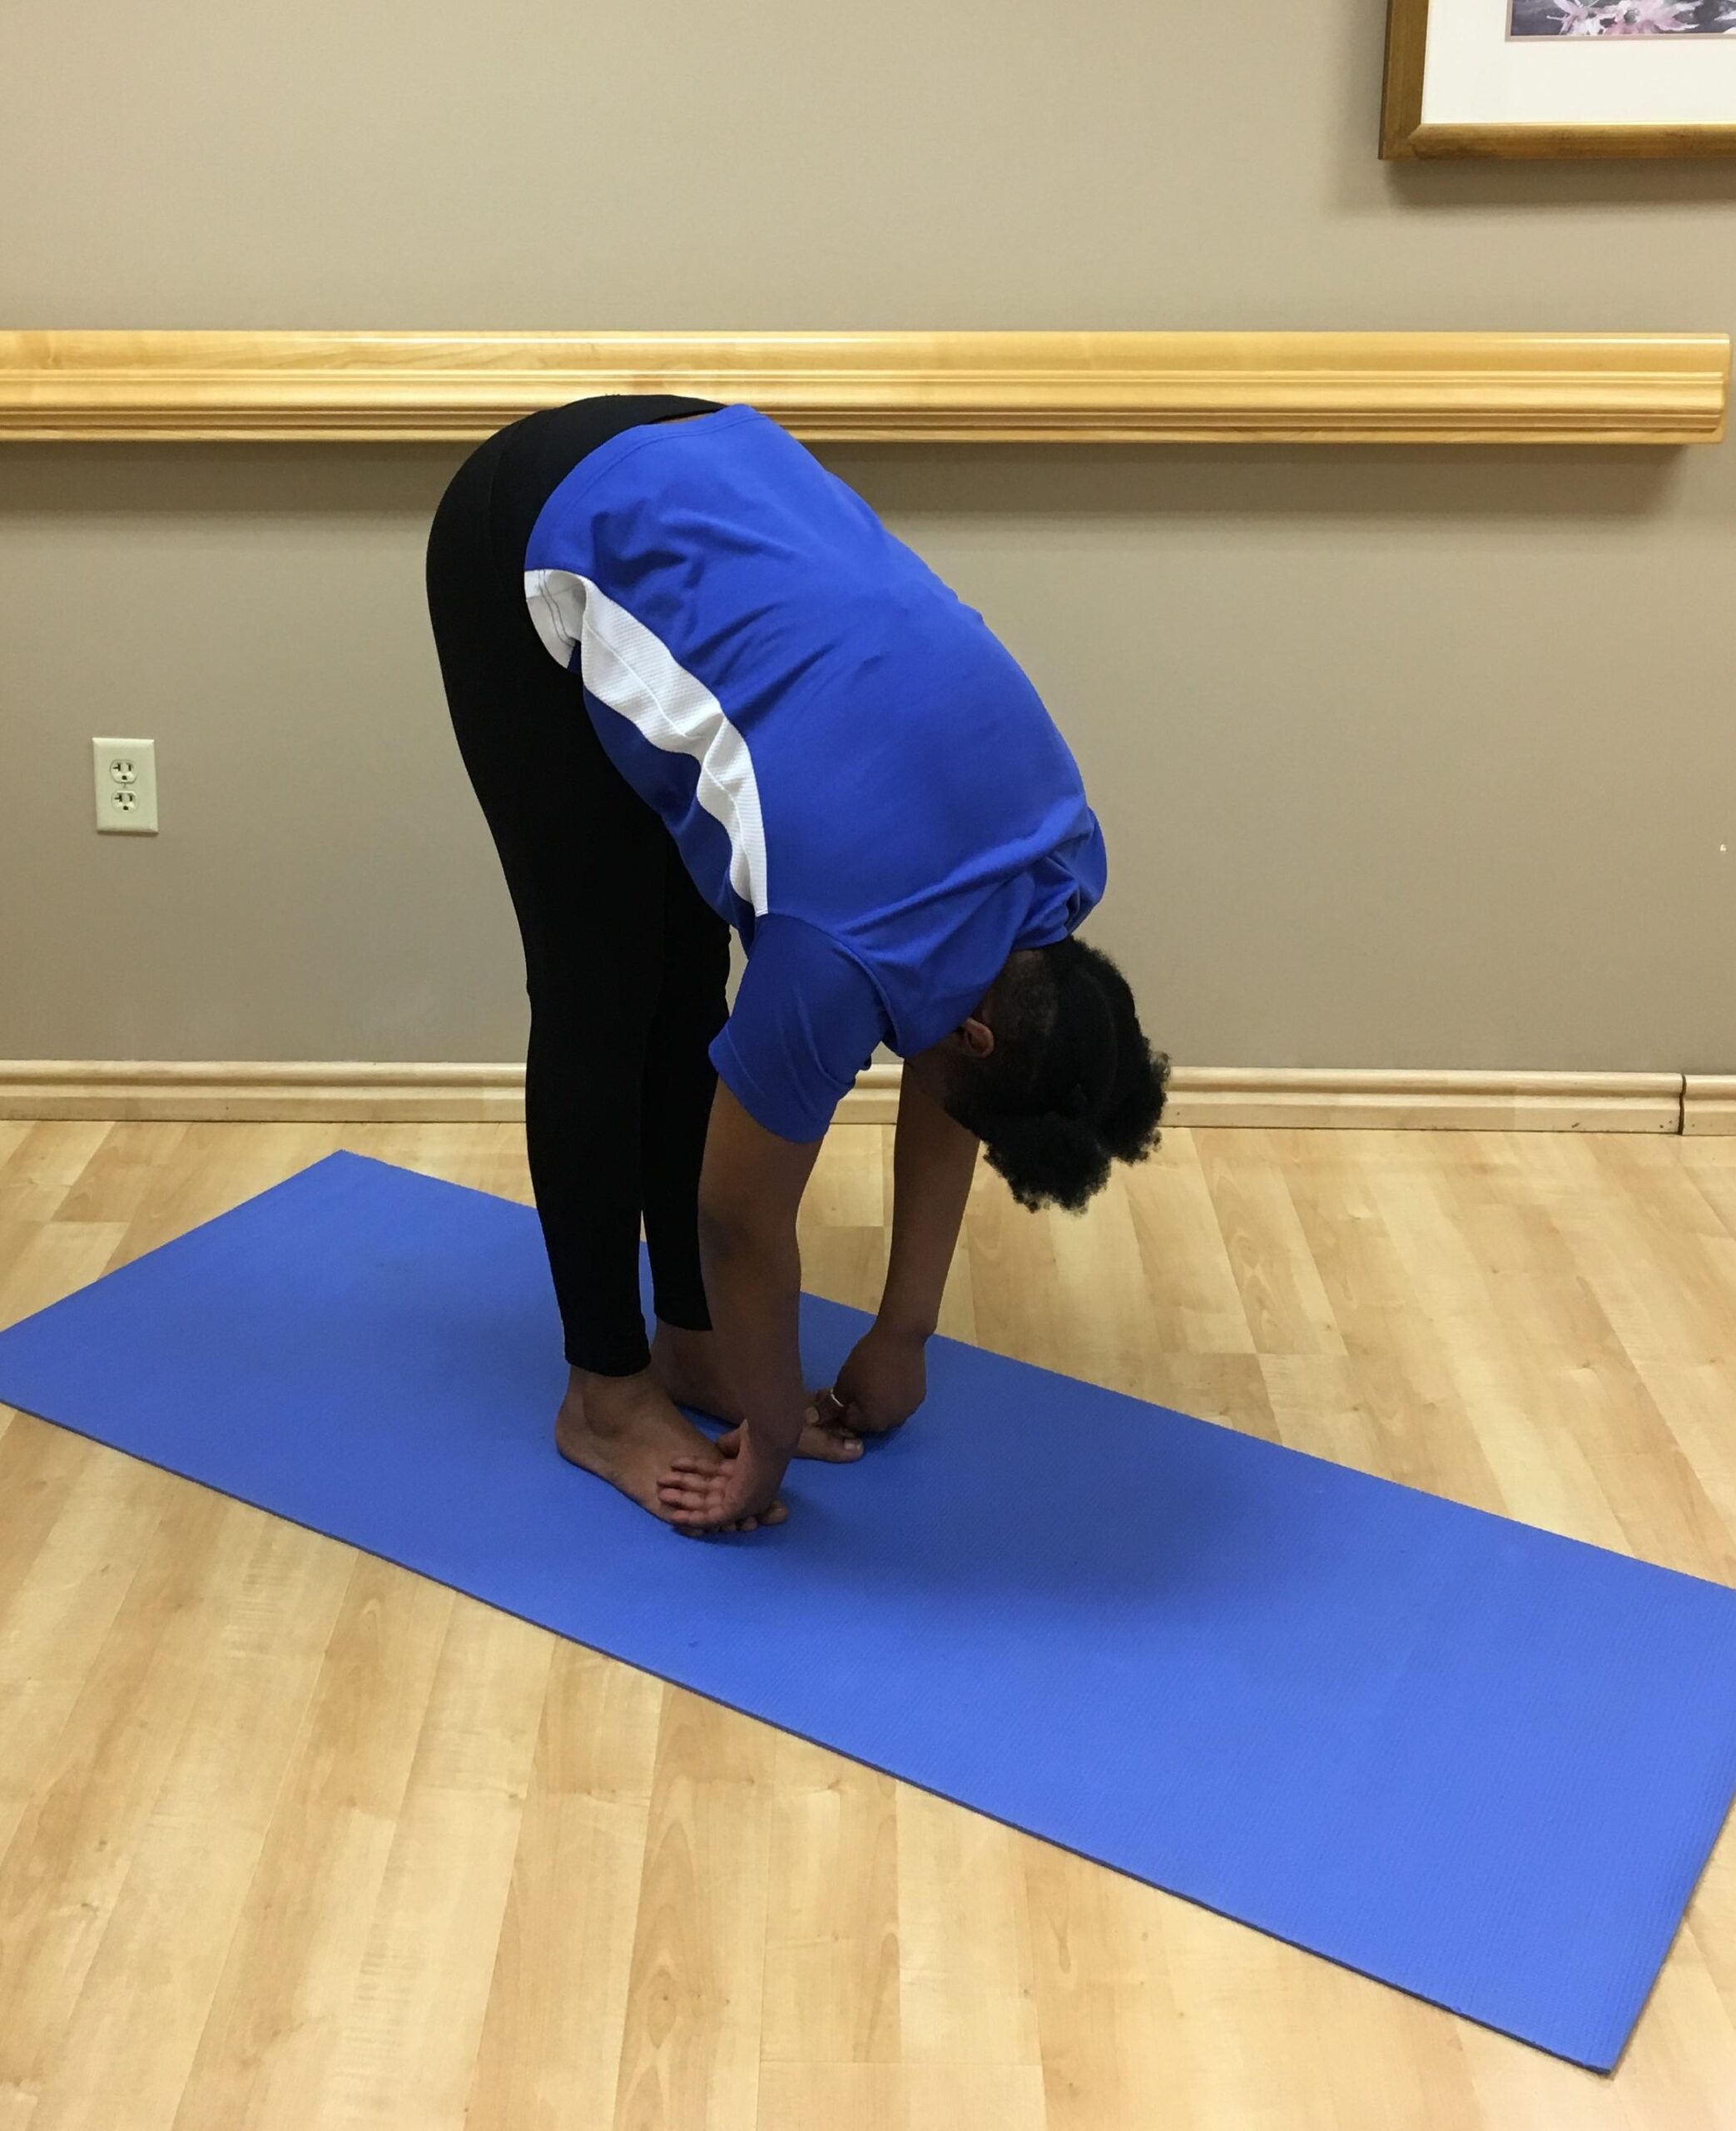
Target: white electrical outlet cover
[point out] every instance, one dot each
(125, 786)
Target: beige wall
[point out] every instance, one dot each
(1404, 758)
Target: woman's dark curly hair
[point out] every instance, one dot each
(1071, 1084)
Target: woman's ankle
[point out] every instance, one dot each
(679, 1339)
(604, 1403)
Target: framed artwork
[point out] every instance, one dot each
(1560, 78)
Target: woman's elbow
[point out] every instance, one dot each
(735, 1230)
(727, 1229)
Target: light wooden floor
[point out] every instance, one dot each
(292, 1838)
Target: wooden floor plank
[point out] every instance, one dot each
(267, 2046)
(58, 1615)
(689, 2051)
(148, 1987)
(125, 1172)
(551, 2039)
(404, 2056)
(964, 1998)
(39, 1166)
(901, 2098)
(1287, 1306)
(50, 1259)
(832, 1941)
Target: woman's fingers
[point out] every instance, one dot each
(824, 1436)
(844, 1416)
(830, 1446)
(690, 1490)
(828, 1407)
(856, 1419)
(697, 1497)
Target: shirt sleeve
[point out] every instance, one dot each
(1067, 886)
(807, 1017)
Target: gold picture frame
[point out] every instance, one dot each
(1405, 136)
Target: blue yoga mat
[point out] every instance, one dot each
(1473, 1760)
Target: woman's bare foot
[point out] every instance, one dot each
(687, 1366)
(624, 1429)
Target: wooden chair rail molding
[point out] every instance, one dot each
(883, 388)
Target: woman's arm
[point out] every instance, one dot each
(885, 1379)
(933, 1160)
(749, 1190)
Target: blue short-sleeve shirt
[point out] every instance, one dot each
(857, 773)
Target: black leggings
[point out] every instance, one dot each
(625, 964)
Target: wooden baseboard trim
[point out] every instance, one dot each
(343, 1092)
(1709, 1103)
(268, 1092)
(1428, 1101)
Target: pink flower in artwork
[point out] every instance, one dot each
(1582, 17)
(1650, 17)
(1627, 18)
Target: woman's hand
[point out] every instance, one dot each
(883, 1382)
(738, 1496)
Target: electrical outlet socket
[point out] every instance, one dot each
(125, 786)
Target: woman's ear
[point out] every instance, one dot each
(974, 1037)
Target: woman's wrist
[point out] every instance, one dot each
(911, 1327)
(775, 1434)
